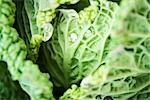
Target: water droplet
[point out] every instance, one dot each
(73, 37)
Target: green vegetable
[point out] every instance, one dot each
(125, 74)
(36, 36)
(78, 41)
(13, 52)
(121, 78)
(75, 49)
(37, 16)
(9, 90)
(7, 12)
(12, 49)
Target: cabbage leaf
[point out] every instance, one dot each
(125, 73)
(78, 42)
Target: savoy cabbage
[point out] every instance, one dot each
(75, 49)
(125, 74)
(78, 42)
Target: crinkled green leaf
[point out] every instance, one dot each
(78, 42)
(37, 16)
(7, 12)
(125, 73)
(13, 52)
(8, 88)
